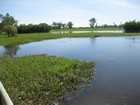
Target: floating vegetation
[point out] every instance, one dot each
(42, 79)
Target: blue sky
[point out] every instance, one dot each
(77, 11)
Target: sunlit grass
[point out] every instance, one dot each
(25, 38)
(42, 79)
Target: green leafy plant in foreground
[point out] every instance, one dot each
(42, 79)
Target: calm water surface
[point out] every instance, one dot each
(117, 77)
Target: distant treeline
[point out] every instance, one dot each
(132, 26)
(60, 25)
(109, 26)
(34, 28)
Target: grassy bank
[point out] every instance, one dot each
(42, 79)
(25, 38)
(87, 29)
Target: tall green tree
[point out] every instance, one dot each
(64, 26)
(70, 24)
(54, 26)
(92, 22)
(59, 25)
(8, 24)
(7, 20)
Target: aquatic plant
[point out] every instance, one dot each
(42, 79)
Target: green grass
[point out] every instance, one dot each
(87, 29)
(25, 38)
(42, 79)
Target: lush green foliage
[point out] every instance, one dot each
(0, 33)
(7, 20)
(37, 28)
(58, 26)
(8, 24)
(10, 30)
(70, 24)
(42, 79)
(25, 38)
(110, 26)
(132, 26)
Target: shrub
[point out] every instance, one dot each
(132, 26)
(10, 30)
(31, 28)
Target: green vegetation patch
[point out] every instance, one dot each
(132, 26)
(26, 38)
(42, 79)
(87, 29)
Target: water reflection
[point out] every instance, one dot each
(93, 41)
(133, 38)
(11, 50)
(117, 77)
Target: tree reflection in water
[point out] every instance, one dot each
(11, 50)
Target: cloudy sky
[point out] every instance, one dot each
(77, 11)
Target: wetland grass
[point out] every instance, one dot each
(42, 79)
(26, 38)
